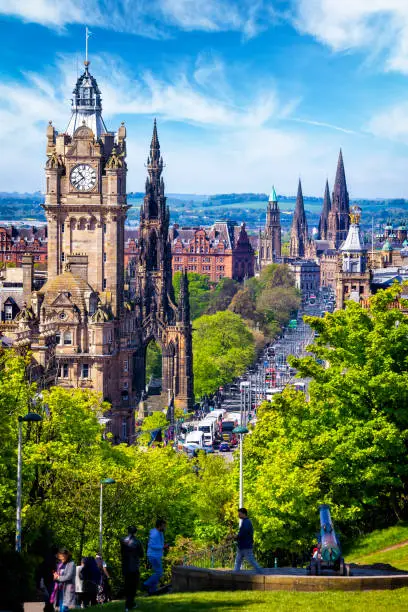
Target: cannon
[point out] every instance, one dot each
(328, 554)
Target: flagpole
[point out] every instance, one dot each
(86, 44)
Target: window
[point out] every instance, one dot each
(104, 283)
(104, 228)
(126, 366)
(109, 337)
(125, 384)
(85, 370)
(62, 228)
(62, 256)
(124, 428)
(67, 337)
(8, 312)
(58, 337)
(104, 257)
(64, 370)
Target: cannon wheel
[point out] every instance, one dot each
(344, 568)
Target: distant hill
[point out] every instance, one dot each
(196, 209)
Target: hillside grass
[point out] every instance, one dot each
(370, 548)
(278, 601)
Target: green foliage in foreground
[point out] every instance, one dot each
(280, 601)
(64, 459)
(223, 349)
(346, 445)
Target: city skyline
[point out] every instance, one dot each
(246, 96)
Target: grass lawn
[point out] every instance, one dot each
(370, 549)
(278, 601)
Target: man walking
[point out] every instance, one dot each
(155, 549)
(131, 551)
(245, 542)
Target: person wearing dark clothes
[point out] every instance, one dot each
(245, 543)
(90, 576)
(131, 552)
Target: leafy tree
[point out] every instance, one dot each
(199, 290)
(222, 295)
(346, 443)
(223, 348)
(153, 361)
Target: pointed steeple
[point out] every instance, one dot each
(299, 229)
(324, 216)
(86, 105)
(273, 197)
(340, 210)
(154, 202)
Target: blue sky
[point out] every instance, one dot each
(247, 93)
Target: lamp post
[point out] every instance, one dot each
(30, 417)
(104, 481)
(241, 431)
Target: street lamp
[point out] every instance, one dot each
(241, 431)
(104, 481)
(30, 417)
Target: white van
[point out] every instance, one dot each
(195, 437)
(208, 427)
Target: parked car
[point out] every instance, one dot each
(224, 447)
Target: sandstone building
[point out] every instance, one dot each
(270, 240)
(80, 329)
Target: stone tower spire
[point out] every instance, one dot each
(154, 201)
(270, 238)
(339, 220)
(299, 230)
(324, 217)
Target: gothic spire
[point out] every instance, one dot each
(324, 216)
(154, 201)
(299, 229)
(340, 193)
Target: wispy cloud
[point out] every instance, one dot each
(153, 18)
(379, 27)
(330, 126)
(391, 123)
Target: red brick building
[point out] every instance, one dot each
(224, 250)
(16, 242)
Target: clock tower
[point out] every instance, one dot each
(85, 202)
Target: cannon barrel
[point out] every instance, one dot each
(330, 546)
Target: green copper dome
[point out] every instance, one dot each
(387, 246)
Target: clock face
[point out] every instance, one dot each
(83, 177)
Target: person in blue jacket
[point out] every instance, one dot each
(155, 550)
(245, 543)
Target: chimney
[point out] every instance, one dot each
(28, 277)
(77, 264)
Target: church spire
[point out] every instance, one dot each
(339, 220)
(324, 216)
(299, 229)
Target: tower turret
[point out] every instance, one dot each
(270, 238)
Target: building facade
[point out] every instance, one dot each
(80, 329)
(270, 239)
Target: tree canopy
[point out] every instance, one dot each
(199, 290)
(223, 348)
(345, 444)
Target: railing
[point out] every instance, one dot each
(215, 557)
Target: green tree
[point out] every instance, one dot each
(346, 443)
(199, 290)
(153, 361)
(223, 347)
(222, 295)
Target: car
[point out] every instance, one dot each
(224, 447)
(208, 449)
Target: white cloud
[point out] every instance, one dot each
(151, 18)
(375, 26)
(391, 123)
